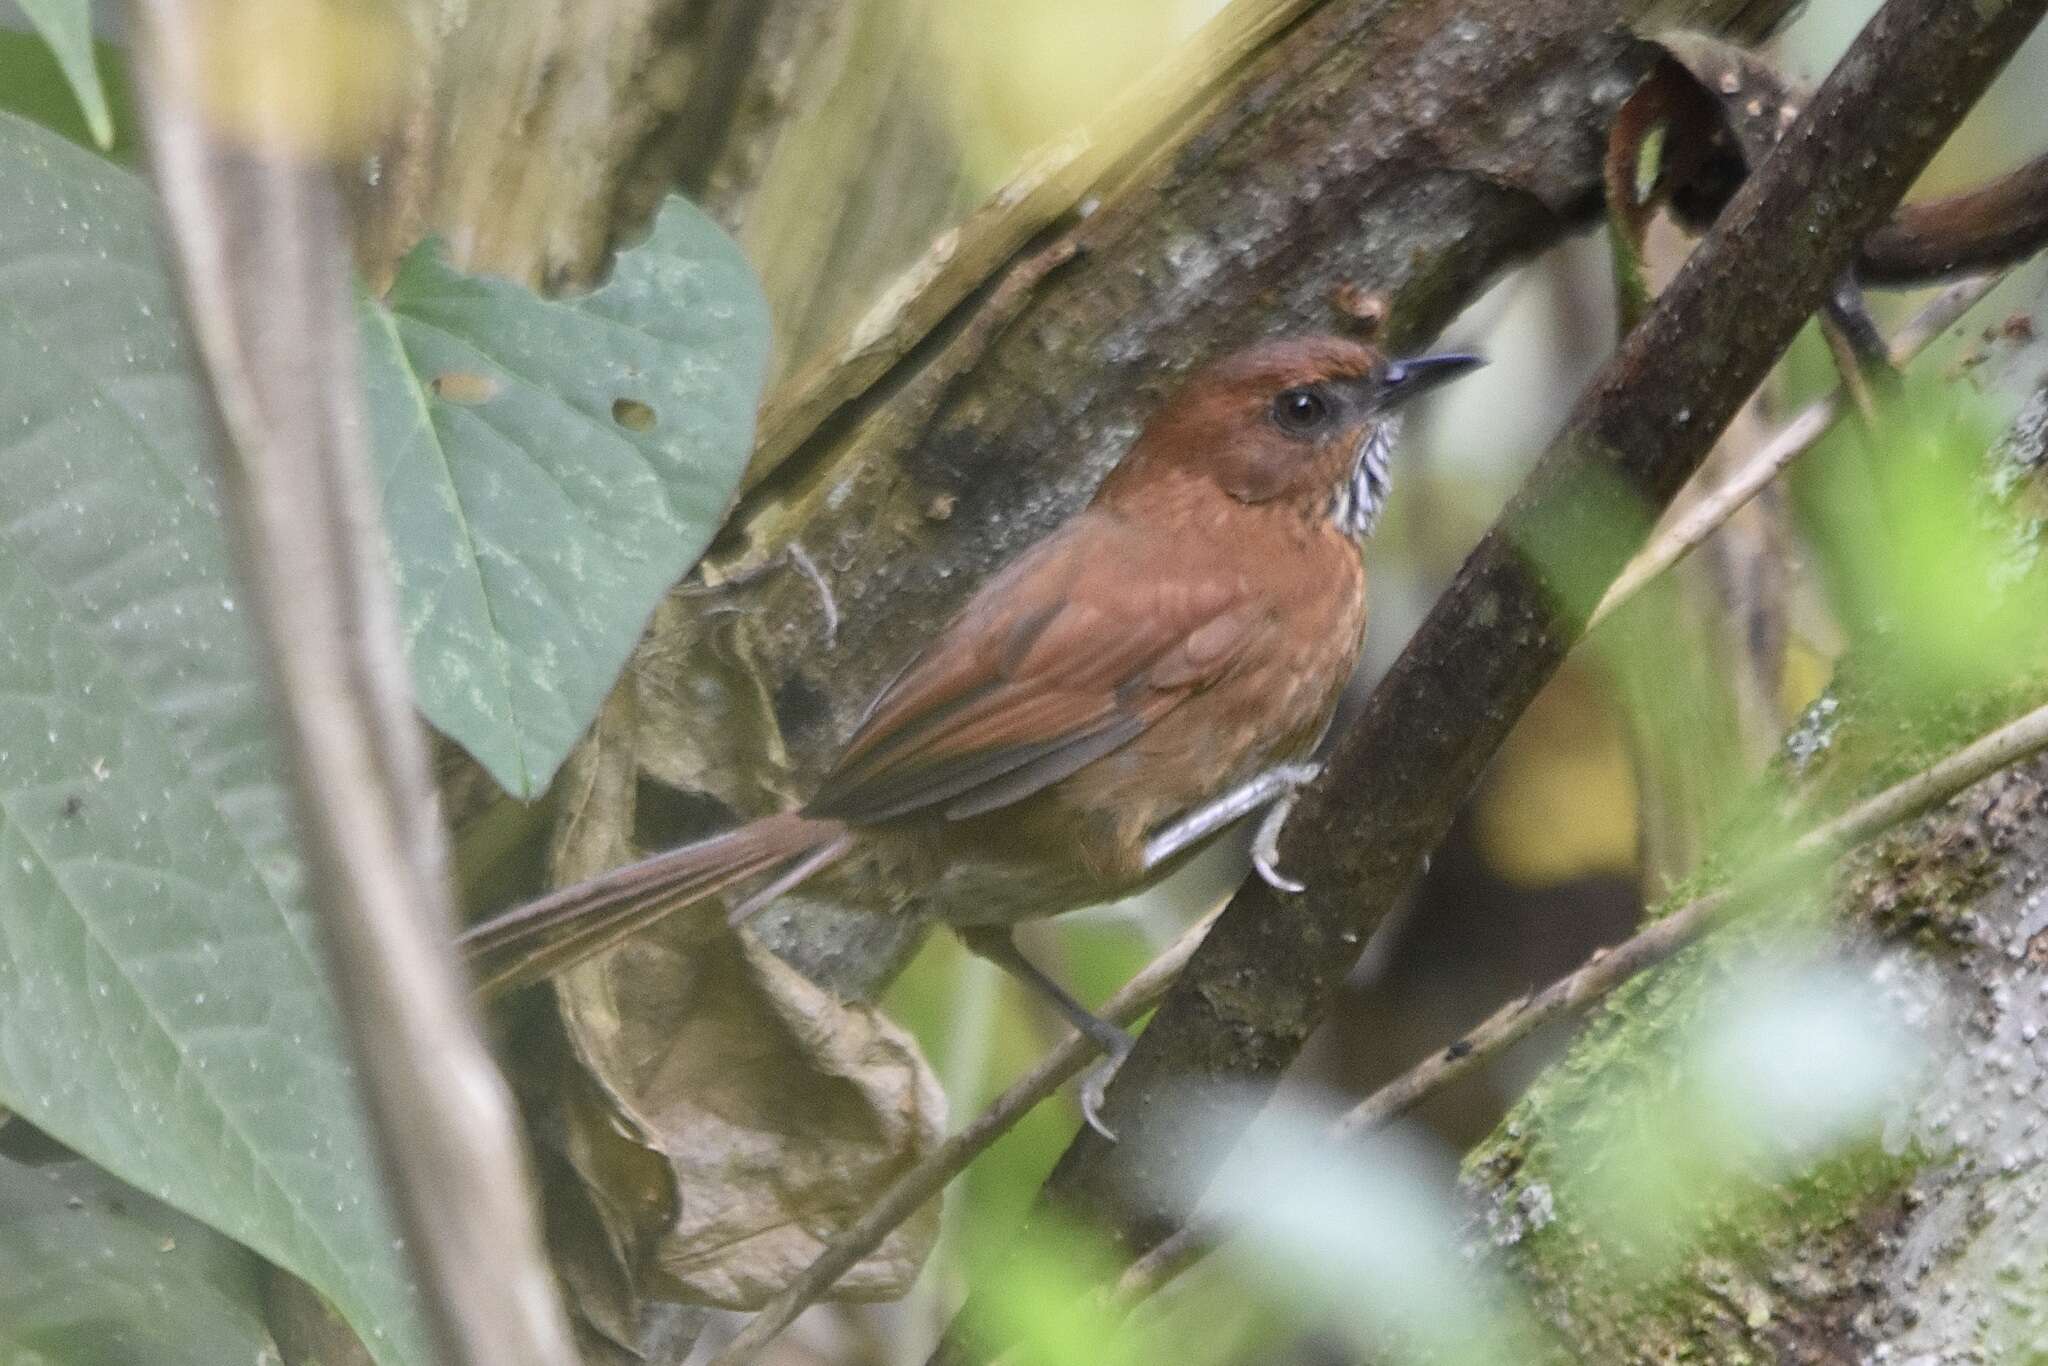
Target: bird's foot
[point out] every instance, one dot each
(994, 943)
(1095, 1086)
(1266, 843)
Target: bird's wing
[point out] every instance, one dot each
(1067, 655)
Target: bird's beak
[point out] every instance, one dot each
(1406, 379)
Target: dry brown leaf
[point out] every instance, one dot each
(731, 1116)
(781, 1111)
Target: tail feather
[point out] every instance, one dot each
(557, 931)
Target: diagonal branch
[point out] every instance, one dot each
(930, 1176)
(1606, 971)
(1264, 978)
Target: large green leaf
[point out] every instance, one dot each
(551, 467)
(161, 1009)
(66, 25)
(95, 1273)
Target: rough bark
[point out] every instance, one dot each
(522, 137)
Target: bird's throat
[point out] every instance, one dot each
(1360, 498)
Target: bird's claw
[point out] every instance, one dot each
(1095, 1088)
(1266, 844)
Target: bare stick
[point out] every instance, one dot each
(254, 227)
(1608, 969)
(930, 1176)
(1794, 439)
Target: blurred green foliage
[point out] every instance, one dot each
(1775, 1070)
(1922, 560)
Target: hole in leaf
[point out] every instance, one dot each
(632, 414)
(459, 386)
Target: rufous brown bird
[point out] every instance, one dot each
(1151, 672)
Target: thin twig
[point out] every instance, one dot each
(1608, 969)
(808, 567)
(1794, 439)
(930, 1176)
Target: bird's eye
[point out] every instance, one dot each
(1300, 410)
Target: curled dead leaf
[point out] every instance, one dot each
(723, 1116)
(781, 1111)
(1757, 101)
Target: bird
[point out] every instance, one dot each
(1155, 669)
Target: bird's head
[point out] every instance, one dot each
(1306, 423)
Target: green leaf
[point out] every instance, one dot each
(551, 468)
(33, 85)
(66, 25)
(161, 1007)
(94, 1272)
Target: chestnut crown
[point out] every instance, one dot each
(1306, 423)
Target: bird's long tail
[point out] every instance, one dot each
(561, 929)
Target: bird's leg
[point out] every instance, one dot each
(994, 942)
(1276, 786)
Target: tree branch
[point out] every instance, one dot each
(1417, 147)
(1265, 976)
(1994, 225)
(1606, 971)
